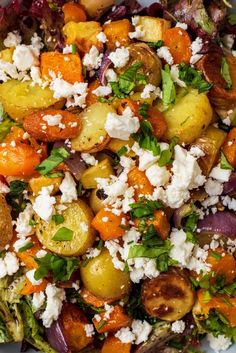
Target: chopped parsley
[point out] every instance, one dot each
(63, 234)
(166, 155)
(225, 73)
(122, 151)
(143, 110)
(156, 45)
(74, 48)
(15, 198)
(26, 247)
(224, 164)
(168, 87)
(190, 226)
(193, 78)
(146, 139)
(57, 156)
(58, 219)
(144, 208)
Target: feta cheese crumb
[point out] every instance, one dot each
(38, 300)
(12, 40)
(102, 91)
(89, 159)
(52, 120)
(119, 57)
(23, 228)
(220, 174)
(102, 37)
(93, 59)
(219, 343)
(55, 298)
(141, 330)
(43, 204)
(89, 330)
(196, 47)
(165, 54)
(125, 335)
(213, 187)
(110, 75)
(149, 88)
(158, 176)
(178, 326)
(122, 126)
(92, 252)
(138, 33)
(182, 25)
(8, 265)
(20, 243)
(24, 57)
(68, 189)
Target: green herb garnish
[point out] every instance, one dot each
(168, 87)
(146, 139)
(193, 78)
(57, 156)
(63, 234)
(144, 208)
(224, 164)
(122, 151)
(166, 155)
(58, 219)
(225, 73)
(26, 247)
(156, 45)
(143, 110)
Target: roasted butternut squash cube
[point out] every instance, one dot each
(117, 31)
(153, 28)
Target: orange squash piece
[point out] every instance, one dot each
(73, 12)
(138, 180)
(117, 31)
(117, 319)
(114, 345)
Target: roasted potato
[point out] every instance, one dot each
(189, 117)
(140, 52)
(21, 98)
(101, 170)
(6, 230)
(115, 145)
(73, 321)
(210, 65)
(153, 28)
(37, 183)
(84, 34)
(96, 8)
(117, 31)
(168, 297)
(6, 54)
(93, 137)
(77, 217)
(102, 279)
(210, 143)
(95, 203)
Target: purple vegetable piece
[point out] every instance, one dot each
(56, 338)
(180, 213)
(230, 186)
(106, 62)
(222, 223)
(155, 10)
(126, 8)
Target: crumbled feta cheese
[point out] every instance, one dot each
(84, 226)
(178, 326)
(102, 37)
(102, 91)
(219, 343)
(41, 253)
(210, 201)
(141, 330)
(89, 159)
(122, 126)
(174, 73)
(93, 59)
(227, 121)
(127, 163)
(165, 54)
(43, 204)
(92, 252)
(8, 71)
(158, 176)
(119, 57)
(24, 57)
(38, 300)
(35, 75)
(20, 243)
(141, 268)
(89, 330)
(4, 189)
(68, 189)
(23, 227)
(9, 264)
(67, 49)
(229, 202)
(182, 25)
(110, 75)
(196, 47)
(30, 276)
(196, 152)
(149, 88)
(213, 187)
(138, 33)
(52, 120)
(108, 310)
(220, 174)
(125, 335)
(12, 40)
(135, 20)
(55, 298)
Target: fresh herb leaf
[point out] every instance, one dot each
(168, 87)
(6, 123)
(224, 164)
(156, 45)
(144, 208)
(57, 156)
(127, 80)
(166, 155)
(191, 222)
(63, 234)
(191, 237)
(74, 48)
(61, 268)
(79, 189)
(150, 237)
(215, 255)
(32, 222)
(17, 187)
(144, 251)
(26, 247)
(143, 110)
(230, 289)
(146, 139)
(116, 90)
(122, 151)
(100, 244)
(101, 324)
(193, 78)
(227, 302)
(58, 219)
(15, 198)
(225, 73)
(207, 296)
(232, 19)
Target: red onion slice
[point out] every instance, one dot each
(222, 223)
(229, 188)
(106, 63)
(56, 338)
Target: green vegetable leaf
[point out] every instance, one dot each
(60, 268)
(58, 218)
(168, 87)
(57, 156)
(166, 155)
(156, 45)
(144, 208)
(224, 164)
(26, 247)
(151, 238)
(193, 78)
(63, 234)
(116, 90)
(232, 19)
(143, 251)
(191, 222)
(215, 255)
(5, 337)
(5, 123)
(100, 244)
(122, 151)
(143, 110)
(127, 80)
(146, 139)
(74, 48)
(225, 73)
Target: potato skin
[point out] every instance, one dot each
(76, 214)
(20, 98)
(168, 297)
(6, 230)
(95, 203)
(188, 118)
(96, 8)
(210, 65)
(73, 321)
(102, 279)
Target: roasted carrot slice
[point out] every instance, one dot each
(179, 44)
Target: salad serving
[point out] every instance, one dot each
(117, 176)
